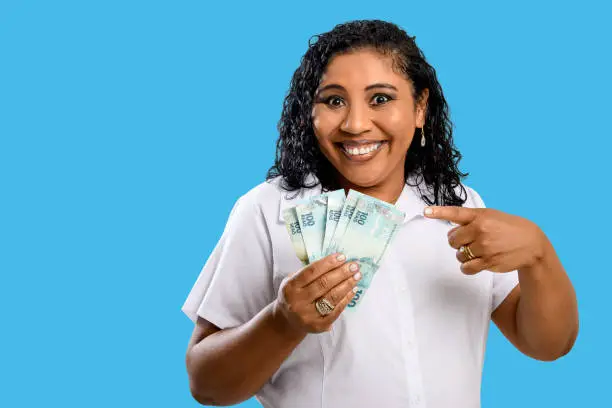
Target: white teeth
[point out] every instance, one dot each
(362, 150)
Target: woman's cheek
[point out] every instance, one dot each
(398, 120)
(326, 147)
(323, 127)
(400, 131)
(395, 117)
(323, 123)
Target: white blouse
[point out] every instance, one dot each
(417, 338)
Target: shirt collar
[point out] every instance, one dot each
(409, 201)
(292, 198)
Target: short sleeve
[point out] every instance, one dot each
(503, 283)
(236, 280)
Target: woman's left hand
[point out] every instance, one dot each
(500, 242)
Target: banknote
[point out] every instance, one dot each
(345, 216)
(295, 233)
(335, 202)
(367, 236)
(360, 226)
(311, 216)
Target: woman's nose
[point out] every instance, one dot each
(357, 120)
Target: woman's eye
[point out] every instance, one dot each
(332, 99)
(336, 101)
(381, 99)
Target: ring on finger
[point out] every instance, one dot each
(465, 250)
(324, 306)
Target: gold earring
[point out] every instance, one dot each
(423, 136)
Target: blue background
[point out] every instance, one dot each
(129, 128)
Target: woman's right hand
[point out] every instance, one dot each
(330, 277)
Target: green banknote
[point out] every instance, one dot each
(345, 216)
(311, 216)
(335, 202)
(359, 226)
(368, 235)
(295, 233)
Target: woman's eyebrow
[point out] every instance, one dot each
(380, 85)
(367, 88)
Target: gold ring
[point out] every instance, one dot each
(324, 307)
(467, 251)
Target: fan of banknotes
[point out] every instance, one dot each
(357, 225)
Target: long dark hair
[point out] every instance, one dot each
(297, 150)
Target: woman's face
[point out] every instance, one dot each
(364, 118)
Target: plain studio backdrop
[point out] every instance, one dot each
(129, 128)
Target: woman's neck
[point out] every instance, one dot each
(388, 191)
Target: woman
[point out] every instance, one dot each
(365, 111)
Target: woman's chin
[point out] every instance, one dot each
(363, 178)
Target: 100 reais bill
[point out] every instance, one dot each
(357, 225)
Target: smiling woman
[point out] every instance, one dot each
(366, 112)
(363, 127)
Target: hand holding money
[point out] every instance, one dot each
(331, 278)
(359, 226)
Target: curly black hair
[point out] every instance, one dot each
(297, 150)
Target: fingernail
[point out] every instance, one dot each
(353, 267)
(341, 257)
(357, 276)
(428, 211)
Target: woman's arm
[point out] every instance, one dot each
(540, 317)
(228, 366)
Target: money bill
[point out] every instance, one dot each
(311, 216)
(345, 216)
(368, 235)
(295, 233)
(335, 202)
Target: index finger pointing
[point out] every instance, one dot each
(458, 215)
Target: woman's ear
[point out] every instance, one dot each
(422, 108)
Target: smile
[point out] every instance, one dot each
(361, 152)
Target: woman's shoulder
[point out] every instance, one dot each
(463, 191)
(263, 194)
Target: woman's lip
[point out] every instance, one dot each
(354, 143)
(362, 157)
